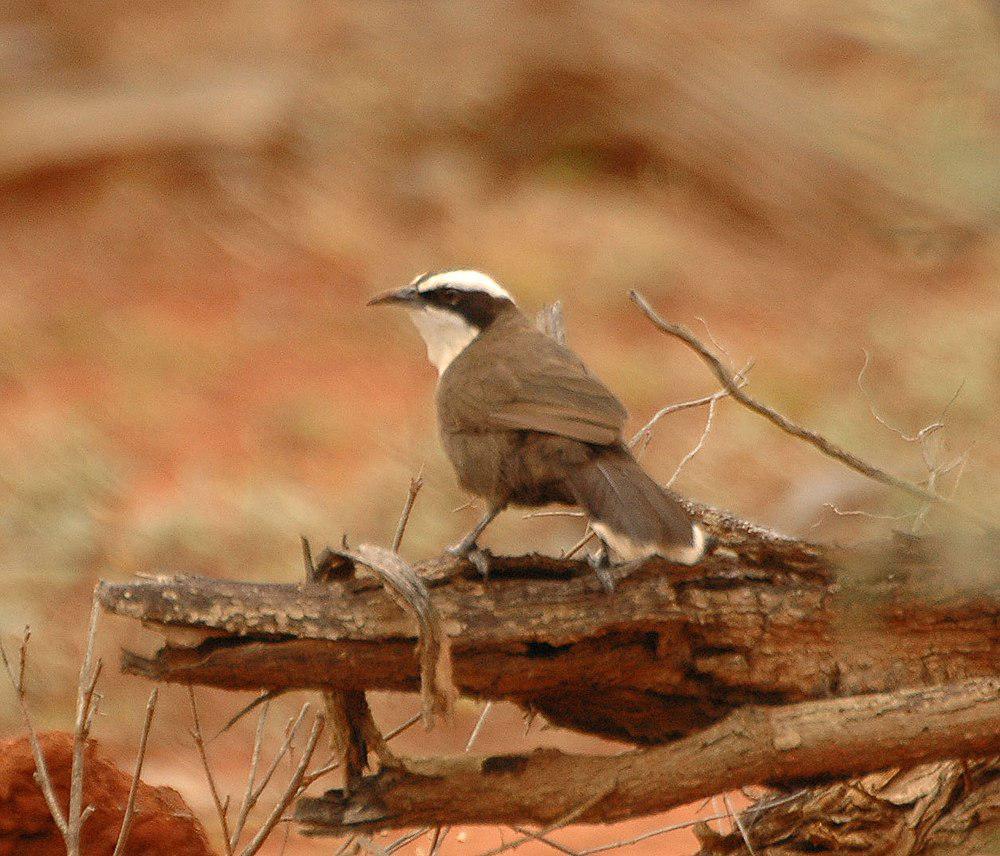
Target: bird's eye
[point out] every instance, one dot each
(449, 296)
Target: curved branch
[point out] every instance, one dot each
(811, 740)
(827, 447)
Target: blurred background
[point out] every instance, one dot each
(198, 198)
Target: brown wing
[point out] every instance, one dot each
(531, 383)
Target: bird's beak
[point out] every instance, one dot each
(398, 297)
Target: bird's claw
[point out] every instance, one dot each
(462, 549)
(600, 563)
(480, 560)
(473, 554)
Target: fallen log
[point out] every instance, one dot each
(762, 620)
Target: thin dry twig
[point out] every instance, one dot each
(565, 820)
(415, 484)
(641, 437)
(292, 790)
(247, 804)
(687, 824)
(90, 672)
(820, 442)
(439, 834)
(698, 446)
(920, 435)
(479, 725)
(291, 730)
(134, 788)
(42, 776)
(856, 512)
(220, 807)
(559, 513)
(555, 845)
(735, 815)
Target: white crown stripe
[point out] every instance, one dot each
(464, 280)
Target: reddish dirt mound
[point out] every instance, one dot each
(163, 824)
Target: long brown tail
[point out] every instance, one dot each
(632, 513)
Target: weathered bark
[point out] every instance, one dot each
(762, 620)
(755, 744)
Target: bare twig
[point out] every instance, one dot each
(220, 808)
(76, 815)
(923, 432)
(735, 815)
(555, 845)
(134, 789)
(285, 748)
(247, 804)
(565, 820)
(687, 824)
(855, 512)
(42, 776)
(20, 686)
(699, 446)
(415, 485)
(405, 726)
(708, 330)
(291, 791)
(641, 438)
(820, 442)
(643, 435)
(561, 513)
(439, 833)
(479, 725)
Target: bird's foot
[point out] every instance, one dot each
(462, 549)
(476, 556)
(480, 560)
(600, 563)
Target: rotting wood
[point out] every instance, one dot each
(819, 739)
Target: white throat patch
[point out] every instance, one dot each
(446, 334)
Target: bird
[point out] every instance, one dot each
(524, 423)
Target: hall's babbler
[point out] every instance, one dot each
(524, 423)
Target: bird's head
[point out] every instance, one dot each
(450, 309)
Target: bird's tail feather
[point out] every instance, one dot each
(632, 513)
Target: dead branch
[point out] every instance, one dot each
(826, 446)
(415, 484)
(762, 619)
(774, 745)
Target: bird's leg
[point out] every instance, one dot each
(464, 547)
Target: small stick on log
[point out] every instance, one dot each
(415, 484)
